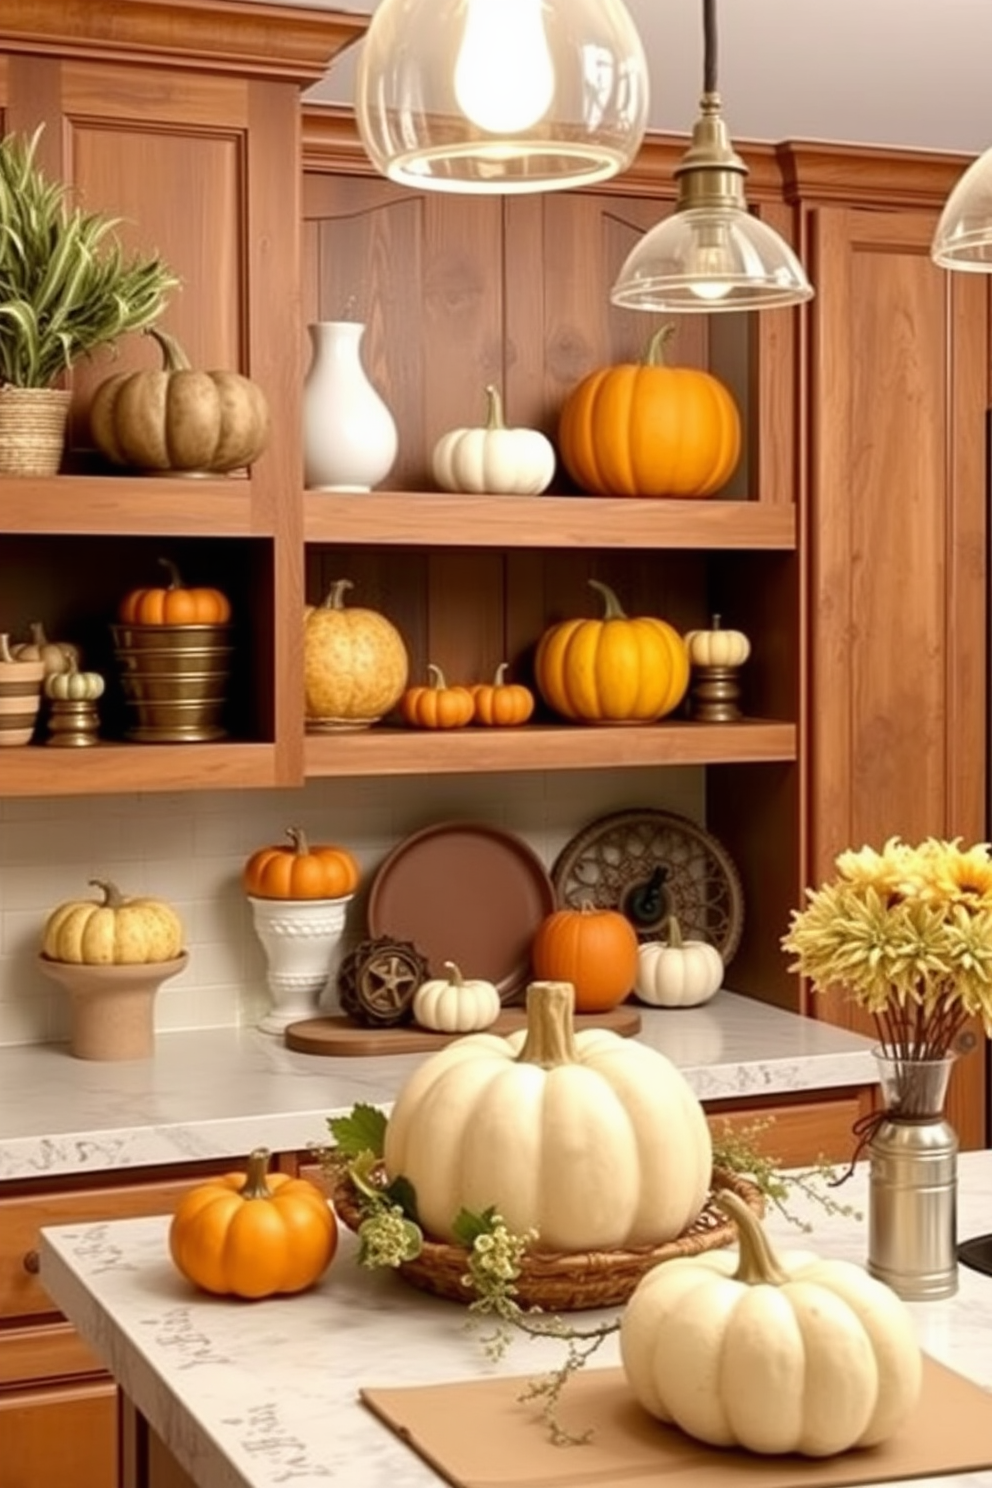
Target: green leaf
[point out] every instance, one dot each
(402, 1192)
(363, 1129)
(468, 1226)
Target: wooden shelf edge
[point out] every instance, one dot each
(441, 519)
(131, 506)
(116, 769)
(397, 751)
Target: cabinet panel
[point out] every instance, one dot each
(60, 1436)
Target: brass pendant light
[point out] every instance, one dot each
(503, 96)
(711, 254)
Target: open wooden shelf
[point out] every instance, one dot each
(429, 517)
(127, 505)
(108, 768)
(399, 751)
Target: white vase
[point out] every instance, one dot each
(349, 435)
(302, 943)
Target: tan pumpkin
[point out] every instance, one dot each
(717, 647)
(112, 931)
(58, 656)
(617, 669)
(437, 705)
(594, 949)
(355, 663)
(179, 419)
(299, 871)
(647, 429)
(593, 1140)
(456, 1004)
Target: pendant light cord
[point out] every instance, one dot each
(709, 47)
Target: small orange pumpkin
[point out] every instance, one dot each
(594, 949)
(647, 429)
(253, 1234)
(437, 705)
(500, 703)
(300, 871)
(174, 604)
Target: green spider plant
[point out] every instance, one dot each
(67, 286)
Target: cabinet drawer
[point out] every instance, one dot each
(35, 1353)
(798, 1133)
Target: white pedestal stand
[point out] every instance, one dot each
(302, 943)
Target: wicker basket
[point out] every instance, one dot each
(566, 1283)
(32, 430)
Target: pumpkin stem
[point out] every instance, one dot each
(298, 838)
(550, 1038)
(175, 582)
(715, 622)
(174, 359)
(336, 594)
(255, 1186)
(38, 636)
(5, 652)
(437, 676)
(758, 1263)
(501, 671)
(612, 609)
(673, 932)
(658, 347)
(454, 974)
(112, 896)
(494, 408)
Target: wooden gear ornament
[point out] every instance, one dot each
(377, 981)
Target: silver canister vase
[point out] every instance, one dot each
(912, 1193)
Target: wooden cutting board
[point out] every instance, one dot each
(337, 1034)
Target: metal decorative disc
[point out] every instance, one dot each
(653, 864)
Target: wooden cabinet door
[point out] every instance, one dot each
(897, 733)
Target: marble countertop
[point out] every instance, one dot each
(260, 1394)
(217, 1093)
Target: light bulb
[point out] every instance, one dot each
(711, 263)
(504, 75)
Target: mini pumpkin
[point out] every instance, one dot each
(299, 871)
(437, 705)
(456, 1004)
(717, 647)
(594, 949)
(613, 670)
(501, 704)
(113, 930)
(174, 604)
(178, 418)
(58, 656)
(494, 458)
(678, 973)
(593, 1140)
(776, 1355)
(253, 1234)
(74, 686)
(355, 663)
(647, 429)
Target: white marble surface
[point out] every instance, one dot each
(262, 1394)
(217, 1093)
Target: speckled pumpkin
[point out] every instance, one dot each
(355, 663)
(112, 931)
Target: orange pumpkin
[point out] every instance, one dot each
(436, 705)
(253, 1234)
(174, 604)
(500, 703)
(300, 871)
(594, 949)
(647, 429)
(613, 670)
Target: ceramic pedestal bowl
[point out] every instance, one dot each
(112, 1007)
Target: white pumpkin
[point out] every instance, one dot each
(516, 462)
(456, 1005)
(790, 1354)
(591, 1139)
(677, 973)
(717, 647)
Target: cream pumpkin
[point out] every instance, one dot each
(717, 647)
(791, 1354)
(588, 1138)
(355, 663)
(112, 931)
(676, 972)
(456, 1004)
(517, 462)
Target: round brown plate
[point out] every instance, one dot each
(465, 892)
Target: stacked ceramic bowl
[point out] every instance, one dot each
(174, 679)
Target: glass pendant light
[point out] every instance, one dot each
(501, 95)
(963, 239)
(711, 254)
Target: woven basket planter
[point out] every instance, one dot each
(565, 1283)
(32, 430)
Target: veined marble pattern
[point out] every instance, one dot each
(217, 1093)
(264, 1394)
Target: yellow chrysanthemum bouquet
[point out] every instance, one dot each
(907, 933)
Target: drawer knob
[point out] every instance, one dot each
(32, 1262)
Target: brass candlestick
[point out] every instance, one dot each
(73, 723)
(715, 693)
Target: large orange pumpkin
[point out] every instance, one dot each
(594, 949)
(647, 429)
(613, 670)
(300, 871)
(174, 604)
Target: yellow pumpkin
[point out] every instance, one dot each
(613, 670)
(179, 419)
(112, 931)
(647, 429)
(253, 1234)
(355, 663)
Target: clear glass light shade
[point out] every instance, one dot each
(709, 259)
(501, 95)
(963, 239)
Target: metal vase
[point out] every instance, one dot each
(912, 1195)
